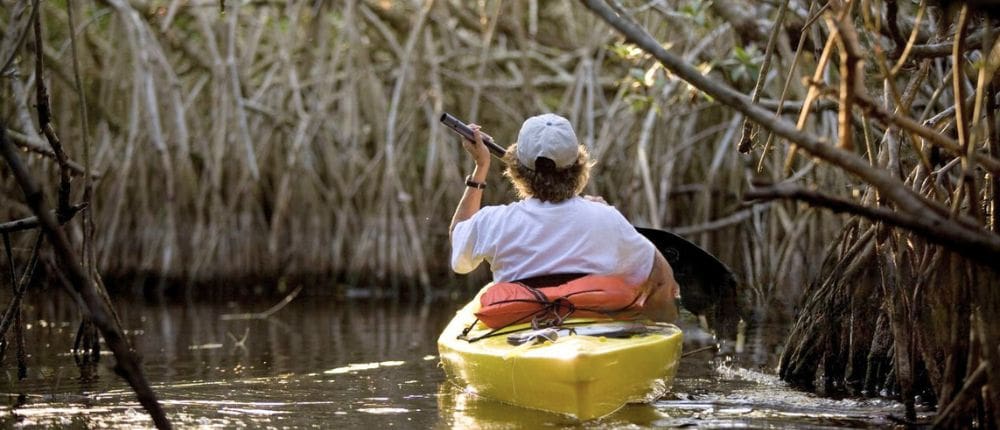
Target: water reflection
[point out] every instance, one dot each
(356, 364)
(459, 409)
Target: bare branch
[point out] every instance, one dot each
(19, 39)
(724, 94)
(746, 140)
(36, 145)
(944, 49)
(31, 222)
(45, 121)
(944, 235)
(127, 362)
(930, 216)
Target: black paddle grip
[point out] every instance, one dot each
(466, 132)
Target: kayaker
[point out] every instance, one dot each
(552, 230)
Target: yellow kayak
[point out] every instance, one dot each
(582, 376)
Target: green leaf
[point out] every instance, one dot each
(742, 55)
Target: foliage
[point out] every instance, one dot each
(907, 295)
(257, 141)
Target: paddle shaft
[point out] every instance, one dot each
(704, 279)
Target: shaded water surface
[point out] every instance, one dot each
(358, 364)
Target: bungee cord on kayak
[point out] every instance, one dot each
(548, 312)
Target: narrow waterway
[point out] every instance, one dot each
(319, 362)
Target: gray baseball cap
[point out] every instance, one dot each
(550, 136)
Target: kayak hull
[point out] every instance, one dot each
(581, 376)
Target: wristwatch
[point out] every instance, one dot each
(473, 184)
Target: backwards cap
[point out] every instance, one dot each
(550, 136)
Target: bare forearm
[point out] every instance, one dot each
(471, 200)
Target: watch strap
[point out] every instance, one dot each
(473, 184)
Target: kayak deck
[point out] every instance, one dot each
(585, 377)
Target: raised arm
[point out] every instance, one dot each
(472, 199)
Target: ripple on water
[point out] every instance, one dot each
(739, 397)
(357, 367)
(374, 365)
(383, 411)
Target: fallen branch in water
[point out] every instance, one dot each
(266, 314)
(702, 349)
(13, 312)
(127, 362)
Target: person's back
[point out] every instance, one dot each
(531, 238)
(552, 230)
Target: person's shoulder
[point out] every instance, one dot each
(602, 213)
(596, 206)
(485, 219)
(489, 212)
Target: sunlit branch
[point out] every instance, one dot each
(930, 216)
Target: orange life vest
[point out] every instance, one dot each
(591, 296)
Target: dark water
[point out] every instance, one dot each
(358, 364)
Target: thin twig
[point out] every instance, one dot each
(45, 123)
(702, 349)
(12, 315)
(779, 109)
(930, 135)
(20, 38)
(38, 146)
(266, 314)
(31, 222)
(851, 75)
(944, 49)
(911, 40)
(746, 138)
(723, 222)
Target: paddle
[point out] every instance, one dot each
(708, 286)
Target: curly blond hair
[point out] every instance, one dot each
(547, 183)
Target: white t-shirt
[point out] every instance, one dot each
(531, 238)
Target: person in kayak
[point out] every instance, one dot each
(552, 230)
